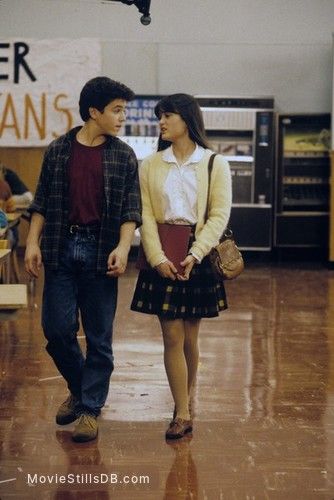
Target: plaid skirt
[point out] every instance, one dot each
(202, 296)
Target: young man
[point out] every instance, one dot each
(86, 208)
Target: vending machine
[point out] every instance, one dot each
(242, 129)
(302, 186)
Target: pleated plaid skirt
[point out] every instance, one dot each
(202, 296)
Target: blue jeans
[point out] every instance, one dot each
(75, 287)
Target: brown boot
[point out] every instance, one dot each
(66, 413)
(178, 428)
(86, 428)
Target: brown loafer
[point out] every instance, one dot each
(178, 428)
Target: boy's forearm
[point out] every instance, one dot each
(36, 228)
(126, 235)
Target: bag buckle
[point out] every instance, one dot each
(228, 233)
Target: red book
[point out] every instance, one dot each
(174, 240)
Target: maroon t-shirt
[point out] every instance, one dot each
(85, 175)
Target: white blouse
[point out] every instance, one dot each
(180, 188)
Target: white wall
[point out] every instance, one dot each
(223, 47)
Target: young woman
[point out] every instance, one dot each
(174, 185)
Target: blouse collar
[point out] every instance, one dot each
(195, 157)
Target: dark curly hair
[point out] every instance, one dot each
(99, 92)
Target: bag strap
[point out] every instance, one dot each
(228, 233)
(210, 167)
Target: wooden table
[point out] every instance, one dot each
(12, 299)
(13, 296)
(5, 260)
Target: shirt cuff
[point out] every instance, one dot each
(162, 261)
(196, 257)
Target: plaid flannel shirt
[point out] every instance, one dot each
(122, 202)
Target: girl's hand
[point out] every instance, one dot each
(167, 270)
(187, 264)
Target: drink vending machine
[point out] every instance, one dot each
(242, 129)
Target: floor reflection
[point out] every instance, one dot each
(181, 482)
(85, 460)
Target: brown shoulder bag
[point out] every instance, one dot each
(226, 259)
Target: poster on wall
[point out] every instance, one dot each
(40, 83)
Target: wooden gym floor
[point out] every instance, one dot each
(264, 402)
